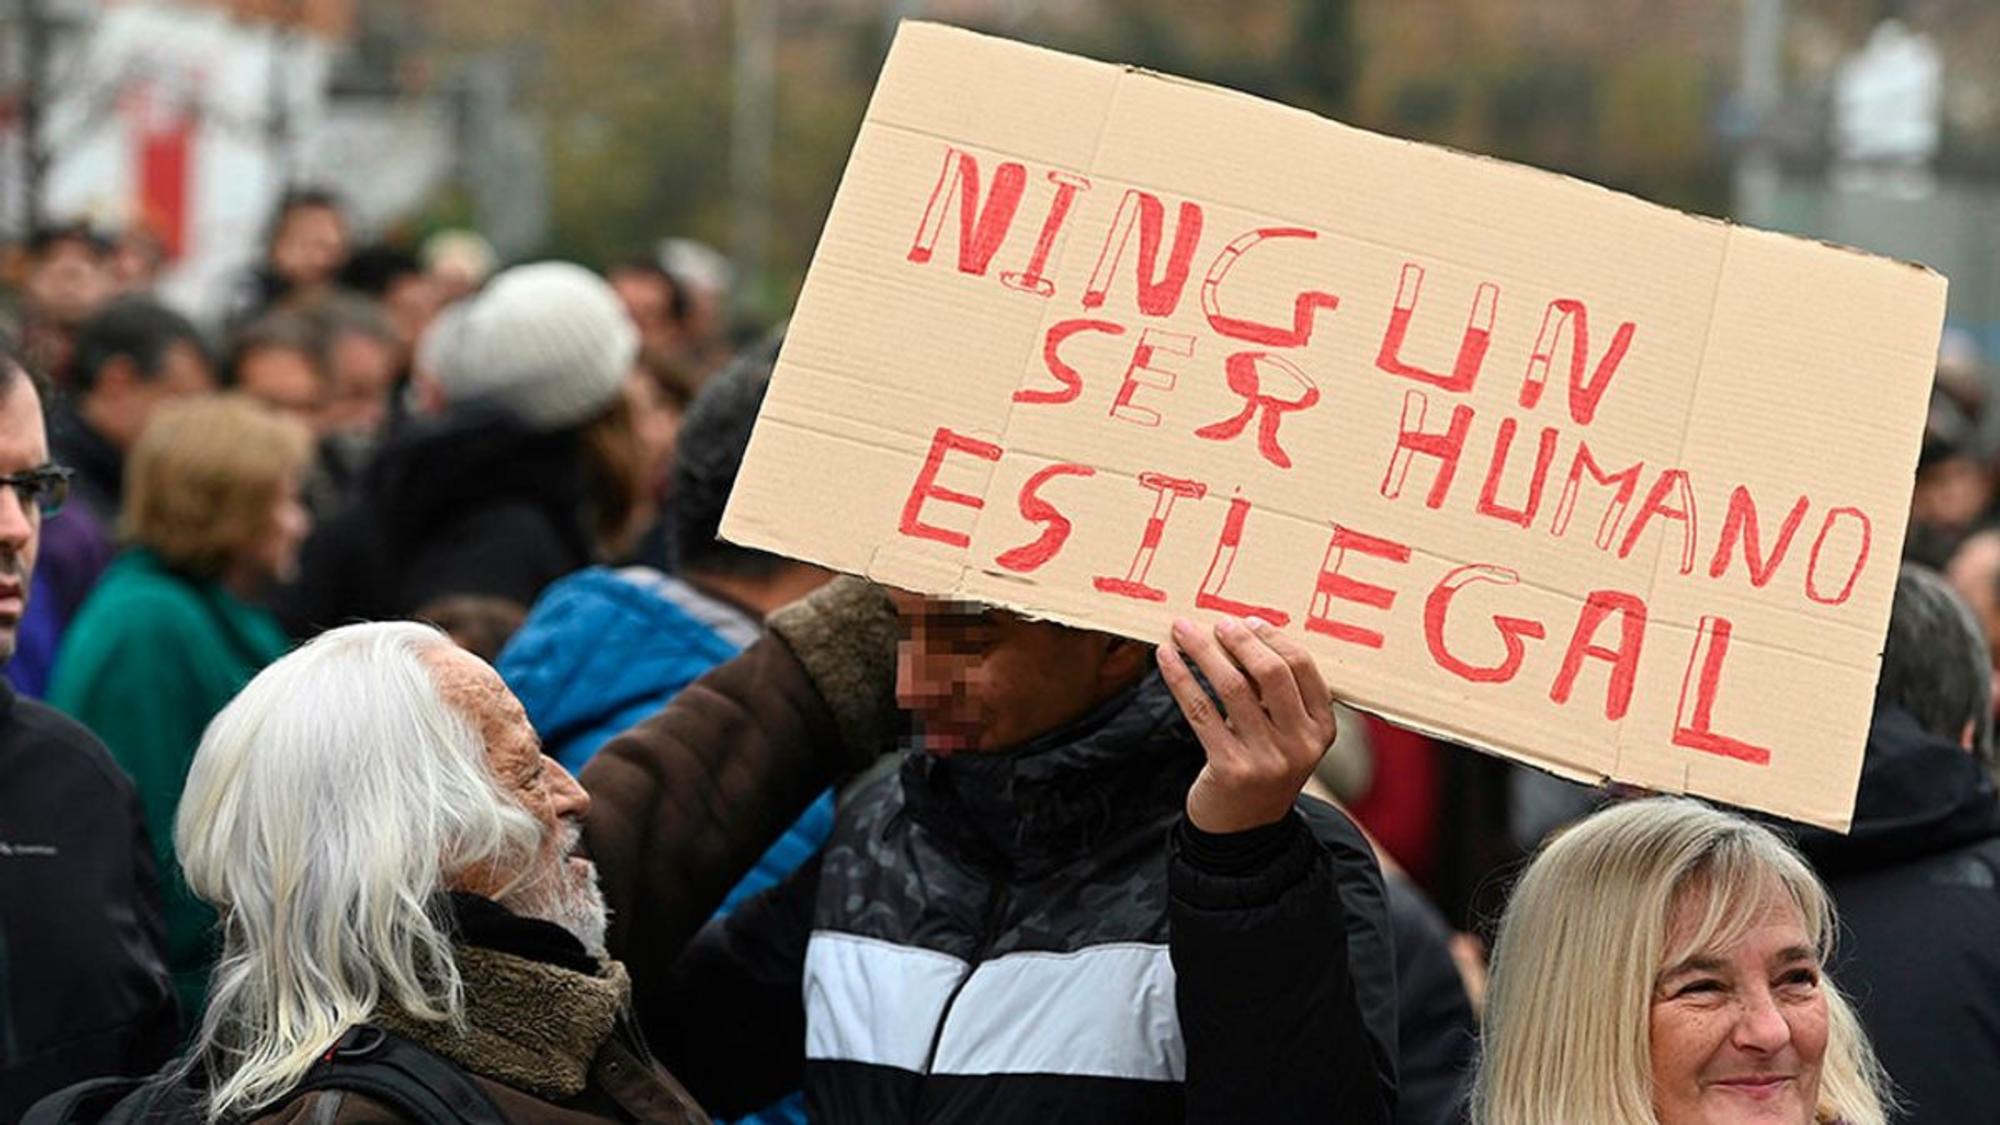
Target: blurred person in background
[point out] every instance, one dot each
(1955, 480)
(68, 279)
(137, 257)
(457, 262)
(1917, 876)
(132, 356)
(85, 990)
(605, 648)
(705, 281)
(275, 359)
(1974, 573)
(658, 307)
(362, 353)
(1665, 962)
(174, 630)
(525, 467)
(394, 281)
(305, 248)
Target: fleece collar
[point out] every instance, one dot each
(528, 1024)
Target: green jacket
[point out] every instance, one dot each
(149, 660)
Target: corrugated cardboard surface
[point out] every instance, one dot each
(1781, 368)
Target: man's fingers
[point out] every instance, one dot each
(1239, 696)
(1312, 689)
(1193, 700)
(1273, 676)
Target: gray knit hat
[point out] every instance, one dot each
(549, 342)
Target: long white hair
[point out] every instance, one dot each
(326, 810)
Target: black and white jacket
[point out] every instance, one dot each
(1038, 935)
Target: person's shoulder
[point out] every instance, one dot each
(60, 746)
(136, 581)
(337, 1107)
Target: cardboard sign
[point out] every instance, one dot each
(1606, 488)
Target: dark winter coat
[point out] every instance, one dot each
(1038, 935)
(84, 990)
(469, 505)
(1917, 886)
(1436, 1030)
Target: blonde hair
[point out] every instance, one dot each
(1567, 1026)
(326, 810)
(202, 479)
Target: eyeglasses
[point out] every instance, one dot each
(44, 489)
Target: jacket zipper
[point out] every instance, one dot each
(996, 899)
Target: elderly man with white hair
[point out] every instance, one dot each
(395, 862)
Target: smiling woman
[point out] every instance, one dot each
(1661, 963)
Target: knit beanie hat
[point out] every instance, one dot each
(548, 342)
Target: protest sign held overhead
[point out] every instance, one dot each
(1545, 469)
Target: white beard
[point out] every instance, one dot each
(565, 892)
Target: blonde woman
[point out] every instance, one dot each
(1663, 962)
(175, 628)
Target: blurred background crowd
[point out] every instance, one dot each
(294, 200)
(320, 207)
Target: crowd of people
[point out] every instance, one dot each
(388, 735)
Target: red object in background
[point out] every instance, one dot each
(163, 186)
(162, 130)
(1400, 808)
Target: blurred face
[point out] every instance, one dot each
(363, 369)
(284, 379)
(69, 282)
(656, 420)
(560, 885)
(976, 679)
(1951, 494)
(275, 558)
(410, 303)
(649, 301)
(309, 246)
(24, 446)
(1739, 1034)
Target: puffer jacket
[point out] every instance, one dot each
(1038, 935)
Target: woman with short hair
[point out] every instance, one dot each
(176, 628)
(1663, 962)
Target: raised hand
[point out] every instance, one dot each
(1275, 724)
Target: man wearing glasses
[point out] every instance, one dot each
(83, 980)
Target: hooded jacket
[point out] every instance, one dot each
(471, 504)
(1917, 886)
(1037, 935)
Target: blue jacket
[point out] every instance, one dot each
(603, 650)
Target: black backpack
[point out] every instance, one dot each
(414, 1082)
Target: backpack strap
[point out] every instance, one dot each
(91, 1101)
(390, 1069)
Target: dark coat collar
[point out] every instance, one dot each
(1034, 807)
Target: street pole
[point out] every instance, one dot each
(753, 130)
(1760, 87)
(34, 108)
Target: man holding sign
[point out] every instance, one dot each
(1089, 894)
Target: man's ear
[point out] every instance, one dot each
(1125, 661)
